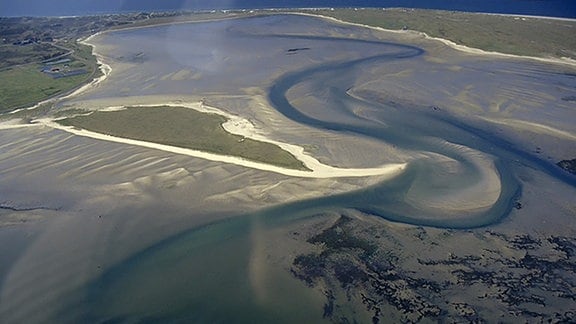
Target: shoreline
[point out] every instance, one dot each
(104, 68)
(427, 9)
(447, 42)
(240, 127)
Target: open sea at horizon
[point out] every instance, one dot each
(550, 8)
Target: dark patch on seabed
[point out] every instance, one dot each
(202, 274)
(363, 264)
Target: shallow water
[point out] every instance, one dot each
(459, 175)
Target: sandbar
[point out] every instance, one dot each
(243, 127)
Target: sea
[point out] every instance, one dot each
(550, 8)
(237, 270)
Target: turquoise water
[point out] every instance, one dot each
(204, 274)
(201, 276)
(219, 273)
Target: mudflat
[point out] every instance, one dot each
(478, 136)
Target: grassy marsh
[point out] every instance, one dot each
(505, 34)
(25, 85)
(183, 127)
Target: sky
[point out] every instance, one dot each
(561, 8)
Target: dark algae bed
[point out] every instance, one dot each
(529, 276)
(182, 127)
(568, 165)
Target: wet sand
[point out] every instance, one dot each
(239, 126)
(105, 221)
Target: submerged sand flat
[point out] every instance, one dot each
(100, 220)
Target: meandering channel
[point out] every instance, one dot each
(460, 177)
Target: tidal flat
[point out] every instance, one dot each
(113, 232)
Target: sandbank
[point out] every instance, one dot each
(15, 123)
(240, 126)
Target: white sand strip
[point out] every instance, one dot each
(15, 123)
(104, 68)
(245, 128)
(462, 48)
(527, 17)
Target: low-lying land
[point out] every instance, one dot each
(24, 52)
(26, 84)
(30, 46)
(182, 127)
(28, 43)
(498, 33)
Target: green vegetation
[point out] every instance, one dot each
(27, 44)
(23, 54)
(183, 127)
(67, 112)
(25, 84)
(505, 34)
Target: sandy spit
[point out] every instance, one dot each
(15, 123)
(240, 126)
(461, 48)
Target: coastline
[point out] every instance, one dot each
(319, 170)
(104, 68)
(243, 127)
(449, 43)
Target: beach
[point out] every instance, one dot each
(422, 156)
(239, 126)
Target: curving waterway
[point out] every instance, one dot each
(459, 176)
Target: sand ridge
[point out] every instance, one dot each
(243, 127)
(235, 125)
